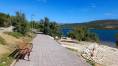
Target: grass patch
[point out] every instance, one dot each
(92, 63)
(2, 41)
(29, 36)
(15, 34)
(5, 60)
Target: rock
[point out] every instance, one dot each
(91, 50)
(102, 54)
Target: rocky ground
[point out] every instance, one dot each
(101, 54)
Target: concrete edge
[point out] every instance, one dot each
(13, 63)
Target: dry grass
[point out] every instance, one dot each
(9, 39)
(11, 43)
(3, 50)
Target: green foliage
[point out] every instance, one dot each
(116, 39)
(34, 25)
(92, 63)
(46, 26)
(54, 29)
(20, 23)
(49, 28)
(92, 37)
(72, 35)
(81, 33)
(41, 24)
(116, 36)
(15, 34)
(2, 41)
(4, 20)
(5, 60)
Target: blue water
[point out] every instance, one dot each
(66, 31)
(106, 37)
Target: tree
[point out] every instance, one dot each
(71, 35)
(49, 27)
(81, 33)
(33, 24)
(20, 23)
(54, 29)
(41, 25)
(4, 20)
(46, 26)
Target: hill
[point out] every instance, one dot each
(97, 24)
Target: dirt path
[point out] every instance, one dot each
(47, 52)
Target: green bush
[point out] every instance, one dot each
(83, 34)
(72, 35)
(15, 34)
(116, 36)
(2, 41)
(5, 60)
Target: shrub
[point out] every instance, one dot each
(5, 60)
(2, 41)
(116, 36)
(83, 34)
(91, 36)
(71, 35)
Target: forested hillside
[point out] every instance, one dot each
(98, 24)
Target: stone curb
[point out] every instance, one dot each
(13, 63)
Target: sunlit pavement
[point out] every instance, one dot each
(47, 52)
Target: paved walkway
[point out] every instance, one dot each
(47, 52)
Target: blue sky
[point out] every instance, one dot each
(63, 11)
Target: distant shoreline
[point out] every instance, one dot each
(105, 28)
